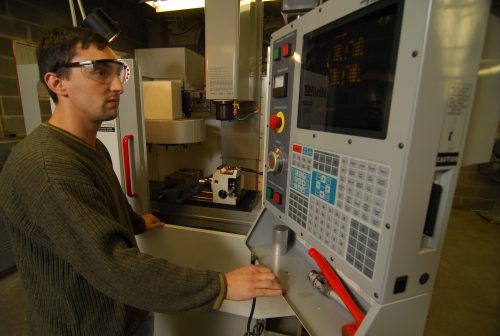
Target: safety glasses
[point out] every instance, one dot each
(102, 70)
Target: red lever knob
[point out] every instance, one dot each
(275, 122)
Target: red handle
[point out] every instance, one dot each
(126, 159)
(339, 288)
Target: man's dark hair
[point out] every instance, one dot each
(58, 47)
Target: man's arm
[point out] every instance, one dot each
(78, 225)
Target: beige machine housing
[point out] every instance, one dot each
(233, 44)
(172, 63)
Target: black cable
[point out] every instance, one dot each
(253, 259)
(258, 328)
(248, 333)
(249, 170)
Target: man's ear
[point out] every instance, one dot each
(55, 83)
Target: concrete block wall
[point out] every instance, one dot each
(29, 20)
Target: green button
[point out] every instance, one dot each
(276, 54)
(269, 192)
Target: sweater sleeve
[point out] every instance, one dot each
(79, 227)
(137, 221)
(222, 294)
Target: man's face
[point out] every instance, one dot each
(93, 100)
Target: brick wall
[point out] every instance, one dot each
(26, 20)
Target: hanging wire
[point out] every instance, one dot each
(253, 113)
(250, 170)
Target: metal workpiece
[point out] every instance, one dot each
(226, 185)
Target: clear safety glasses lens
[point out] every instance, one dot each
(103, 71)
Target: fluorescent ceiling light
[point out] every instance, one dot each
(173, 5)
(492, 70)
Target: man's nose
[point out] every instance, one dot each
(116, 84)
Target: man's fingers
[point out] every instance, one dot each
(265, 276)
(266, 279)
(251, 281)
(268, 292)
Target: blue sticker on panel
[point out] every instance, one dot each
(324, 187)
(307, 151)
(300, 181)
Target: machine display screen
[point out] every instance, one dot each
(347, 72)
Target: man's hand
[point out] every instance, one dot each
(152, 222)
(251, 281)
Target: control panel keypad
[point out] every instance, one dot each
(300, 181)
(362, 247)
(324, 187)
(340, 200)
(362, 189)
(298, 207)
(326, 162)
(328, 224)
(302, 161)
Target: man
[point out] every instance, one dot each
(71, 226)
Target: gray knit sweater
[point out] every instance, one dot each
(72, 230)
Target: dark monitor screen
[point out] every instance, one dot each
(347, 72)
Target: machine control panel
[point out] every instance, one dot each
(346, 70)
(356, 108)
(279, 119)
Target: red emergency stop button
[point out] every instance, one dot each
(275, 122)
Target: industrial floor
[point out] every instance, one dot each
(466, 298)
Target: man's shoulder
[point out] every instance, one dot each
(31, 149)
(41, 152)
(26, 150)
